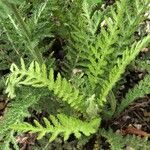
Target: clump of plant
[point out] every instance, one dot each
(100, 44)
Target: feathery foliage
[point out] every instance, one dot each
(140, 90)
(25, 32)
(18, 108)
(98, 42)
(36, 76)
(10, 138)
(61, 125)
(118, 69)
(118, 142)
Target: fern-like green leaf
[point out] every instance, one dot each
(140, 90)
(93, 20)
(18, 108)
(38, 77)
(61, 124)
(118, 69)
(118, 142)
(9, 138)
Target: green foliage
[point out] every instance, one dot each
(25, 32)
(98, 44)
(118, 69)
(10, 138)
(118, 142)
(91, 2)
(81, 37)
(140, 90)
(36, 76)
(95, 52)
(18, 108)
(61, 125)
(144, 62)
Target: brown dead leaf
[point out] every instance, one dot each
(133, 130)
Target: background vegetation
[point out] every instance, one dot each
(74, 74)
